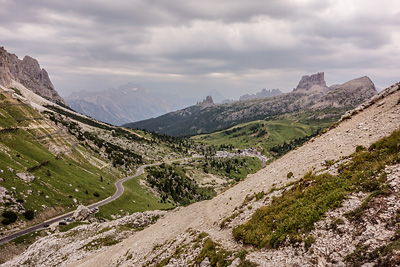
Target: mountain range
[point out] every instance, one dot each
(264, 93)
(125, 104)
(310, 95)
(131, 103)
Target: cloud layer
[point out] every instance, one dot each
(193, 47)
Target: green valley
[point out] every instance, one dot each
(267, 135)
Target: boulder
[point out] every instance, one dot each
(3, 194)
(81, 213)
(27, 177)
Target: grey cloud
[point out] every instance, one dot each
(180, 45)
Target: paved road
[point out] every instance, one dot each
(117, 194)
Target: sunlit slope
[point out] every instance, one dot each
(264, 135)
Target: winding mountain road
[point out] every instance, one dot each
(117, 194)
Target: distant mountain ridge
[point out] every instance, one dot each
(125, 104)
(262, 94)
(311, 94)
(27, 72)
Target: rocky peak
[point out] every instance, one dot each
(208, 102)
(28, 73)
(307, 82)
(32, 67)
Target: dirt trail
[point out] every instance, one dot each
(363, 128)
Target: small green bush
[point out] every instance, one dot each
(9, 217)
(217, 255)
(308, 242)
(329, 163)
(29, 214)
(360, 148)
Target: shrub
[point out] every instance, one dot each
(328, 163)
(308, 242)
(216, 254)
(29, 214)
(360, 148)
(9, 217)
(96, 194)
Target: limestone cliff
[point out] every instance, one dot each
(27, 72)
(311, 82)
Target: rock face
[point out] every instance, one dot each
(264, 93)
(307, 82)
(27, 72)
(351, 92)
(208, 102)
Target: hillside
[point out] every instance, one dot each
(203, 232)
(125, 104)
(53, 159)
(311, 95)
(273, 138)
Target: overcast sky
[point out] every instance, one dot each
(193, 47)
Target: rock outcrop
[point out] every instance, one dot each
(27, 177)
(81, 213)
(308, 82)
(208, 102)
(27, 72)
